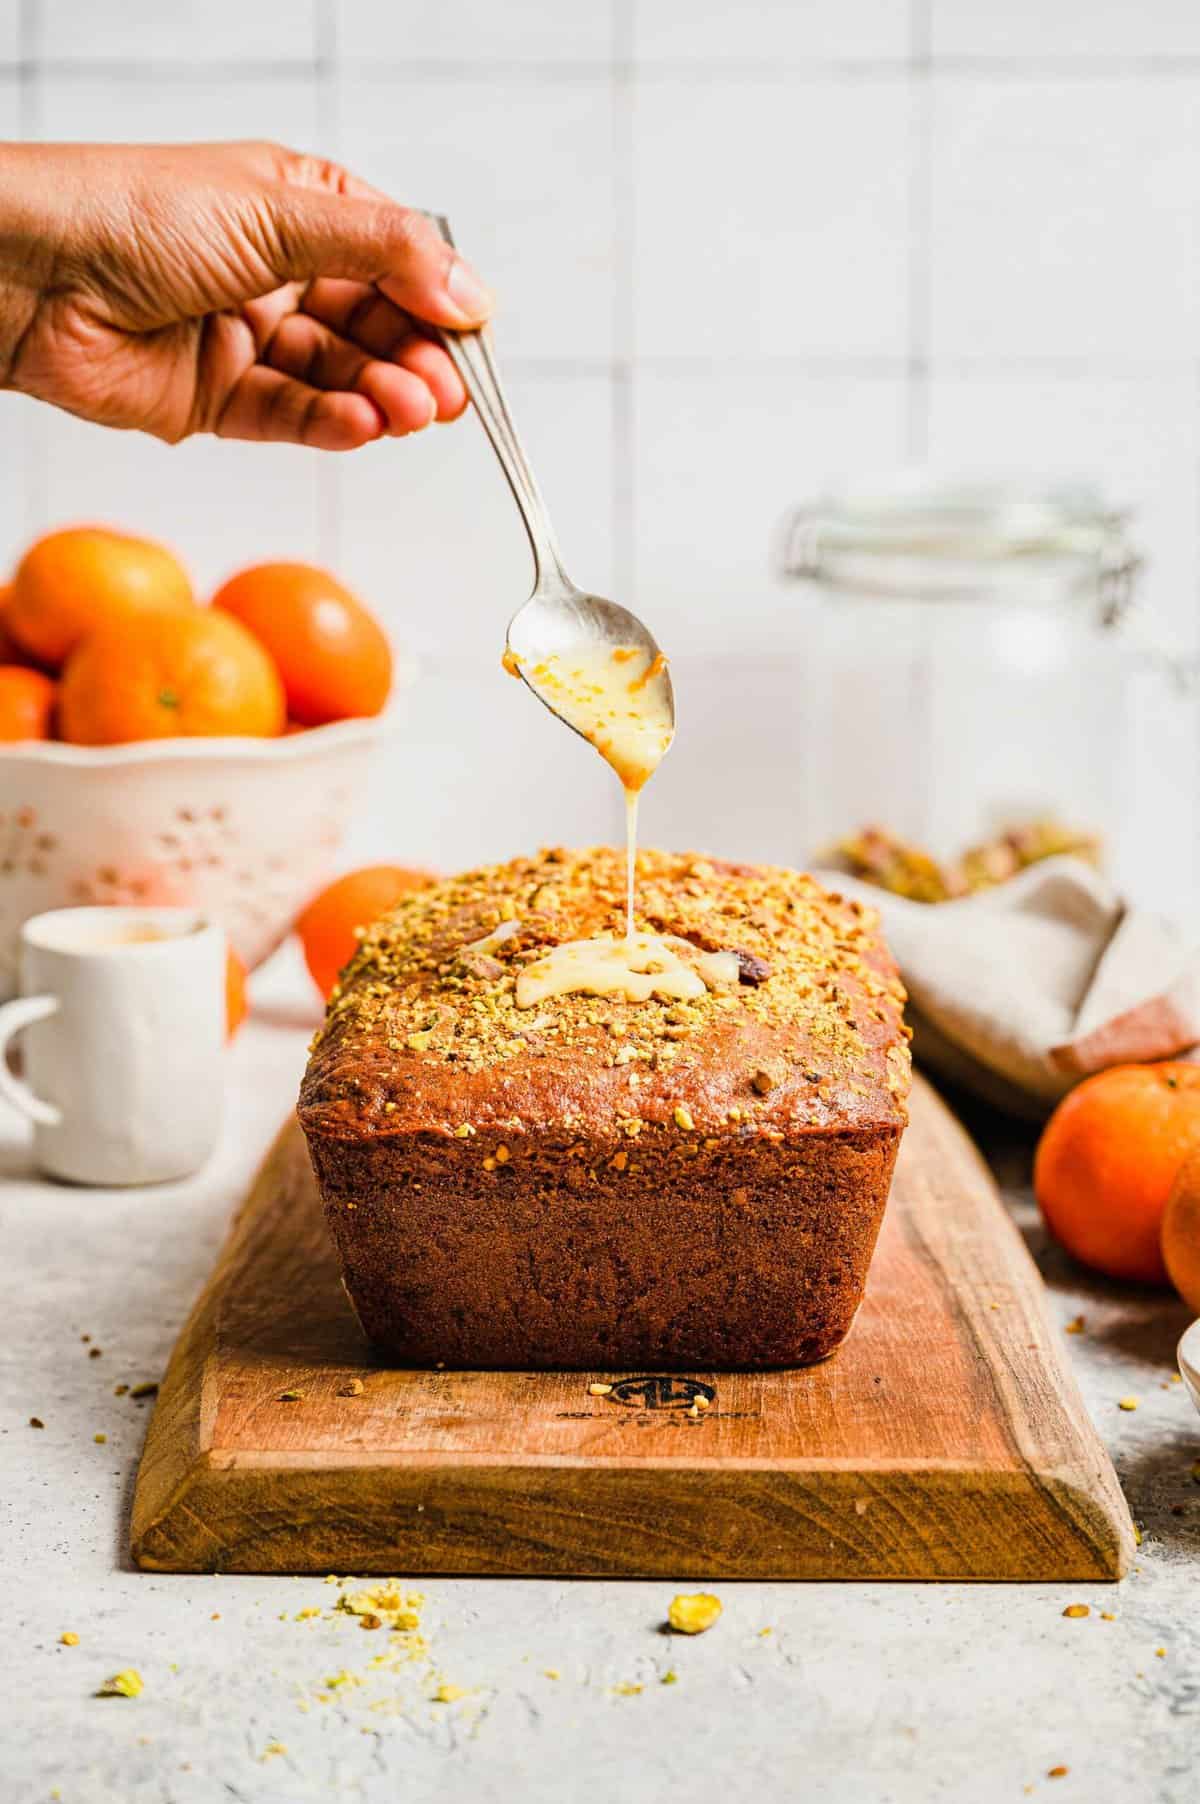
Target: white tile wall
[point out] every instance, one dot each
(10, 33)
(770, 216)
(713, 32)
(476, 32)
(1066, 218)
(706, 514)
(146, 31)
(738, 250)
(1073, 34)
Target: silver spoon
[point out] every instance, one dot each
(558, 618)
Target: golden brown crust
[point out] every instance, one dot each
(423, 1036)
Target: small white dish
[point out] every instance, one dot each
(1188, 1354)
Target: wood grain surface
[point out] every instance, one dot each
(945, 1440)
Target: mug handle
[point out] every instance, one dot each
(14, 1016)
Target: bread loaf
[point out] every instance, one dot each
(597, 1183)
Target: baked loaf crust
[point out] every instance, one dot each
(600, 1183)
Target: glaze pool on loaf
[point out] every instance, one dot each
(595, 1183)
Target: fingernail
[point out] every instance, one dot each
(471, 296)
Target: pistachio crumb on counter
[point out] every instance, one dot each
(449, 1694)
(1076, 1325)
(69, 1638)
(692, 1612)
(99, 1438)
(1128, 1403)
(124, 1684)
(1077, 1610)
(599, 1390)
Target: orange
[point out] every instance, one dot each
(332, 654)
(1107, 1160)
(73, 581)
(26, 703)
(329, 926)
(236, 1007)
(1181, 1232)
(170, 676)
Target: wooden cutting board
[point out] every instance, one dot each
(945, 1441)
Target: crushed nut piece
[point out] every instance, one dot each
(69, 1638)
(1128, 1403)
(692, 1612)
(599, 1390)
(99, 1439)
(290, 1397)
(449, 1694)
(682, 1117)
(1077, 1610)
(36, 1422)
(125, 1684)
(149, 1389)
(1076, 1325)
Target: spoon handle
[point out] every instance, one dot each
(472, 356)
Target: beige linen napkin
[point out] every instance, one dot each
(1019, 991)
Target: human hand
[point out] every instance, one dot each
(239, 289)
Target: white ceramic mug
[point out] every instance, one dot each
(123, 1018)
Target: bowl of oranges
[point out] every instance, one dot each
(156, 748)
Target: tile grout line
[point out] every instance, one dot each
(329, 534)
(623, 100)
(920, 235)
(34, 433)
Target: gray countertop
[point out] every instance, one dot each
(864, 1693)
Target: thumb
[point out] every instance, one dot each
(374, 240)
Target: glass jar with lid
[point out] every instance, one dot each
(969, 648)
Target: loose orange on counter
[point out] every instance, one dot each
(170, 676)
(1181, 1231)
(84, 577)
(27, 701)
(1107, 1160)
(327, 928)
(333, 655)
